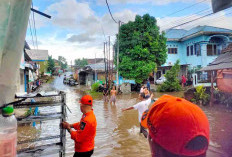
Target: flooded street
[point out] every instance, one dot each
(117, 132)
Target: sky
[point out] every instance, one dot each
(78, 28)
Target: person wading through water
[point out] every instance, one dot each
(105, 94)
(141, 107)
(177, 128)
(85, 130)
(113, 93)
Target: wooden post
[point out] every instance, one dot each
(63, 131)
(212, 89)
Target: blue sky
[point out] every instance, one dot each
(76, 28)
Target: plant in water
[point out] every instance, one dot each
(172, 82)
(201, 96)
(95, 87)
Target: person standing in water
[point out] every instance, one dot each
(141, 107)
(105, 94)
(113, 93)
(85, 130)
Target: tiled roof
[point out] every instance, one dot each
(223, 61)
(227, 49)
(37, 55)
(181, 33)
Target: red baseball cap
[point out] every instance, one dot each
(174, 123)
(86, 100)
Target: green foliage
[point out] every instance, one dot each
(142, 48)
(51, 64)
(95, 87)
(81, 62)
(172, 82)
(201, 95)
(62, 62)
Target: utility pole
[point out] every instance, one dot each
(112, 72)
(109, 76)
(95, 74)
(105, 61)
(118, 54)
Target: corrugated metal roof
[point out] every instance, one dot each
(37, 55)
(181, 33)
(223, 61)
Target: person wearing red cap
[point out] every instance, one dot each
(85, 130)
(177, 128)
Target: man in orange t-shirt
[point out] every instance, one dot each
(85, 130)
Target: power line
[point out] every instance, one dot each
(191, 21)
(34, 27)
(184, 8)
(110, 12)
(197, 19)
(31, 33)
(187, 17)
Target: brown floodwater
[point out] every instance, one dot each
(118, 132)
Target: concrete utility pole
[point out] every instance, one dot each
(95, 70)
(118, 54)
(109, 75)
(105, 61)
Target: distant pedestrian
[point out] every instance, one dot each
(85, 130)
(177, 128)
(183, 81)
(105, 93)
(141, 89)
(113, 93)
(148, 85)
(141, 107)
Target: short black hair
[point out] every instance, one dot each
(142, 95)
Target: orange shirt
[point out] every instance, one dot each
(85, 132)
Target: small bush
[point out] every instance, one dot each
(201, 95)
(95, 86)
(172, 82)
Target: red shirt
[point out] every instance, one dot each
(85, 132)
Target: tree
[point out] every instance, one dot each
(62, 62)
(51, 64)
(81, 62)
(142, 48)
(172, 82)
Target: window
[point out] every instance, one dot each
(198, 49)
(213, 49)
(209, 50)
(227, 76)
(163, 71)
(195, 49)
(187, 50)
(191, 48)
(172, 50)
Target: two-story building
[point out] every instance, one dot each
(195, 48)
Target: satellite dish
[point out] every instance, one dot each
(219, 5)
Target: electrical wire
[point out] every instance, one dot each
(34, 27)
(110, 12)
(187, 17)
(31, 33)
(184, 8)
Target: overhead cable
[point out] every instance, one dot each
(110, 12)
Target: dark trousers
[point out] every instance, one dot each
(143, 131)
(83, 154)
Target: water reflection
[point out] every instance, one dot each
(118, 133)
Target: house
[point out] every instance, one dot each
(93, 72)
(222, 68)
(25, 67)
(39, 58)
(195, 48)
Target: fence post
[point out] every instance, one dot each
(63, 131)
